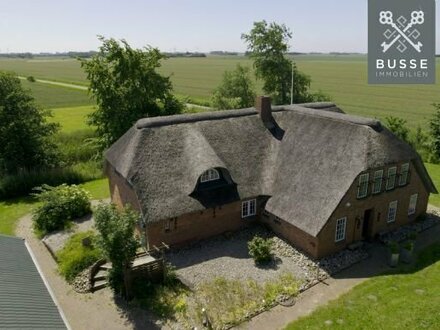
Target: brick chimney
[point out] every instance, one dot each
(263, 106)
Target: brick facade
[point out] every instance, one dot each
(354, 209)
(213, 221)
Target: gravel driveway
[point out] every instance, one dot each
(227, 256)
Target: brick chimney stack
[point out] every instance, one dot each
(263, 106)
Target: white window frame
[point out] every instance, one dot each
(404, 170)
(248, 208)
(392, 212)
(341, 226)
(210, 175)
(389, 175)
(377, 181)
(412, 204)
(363, 185)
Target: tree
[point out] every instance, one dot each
(236, 90)
(267, 45)
(126, 87)
(398, 127)
(434, 125)
(25, 134)
(117, 241)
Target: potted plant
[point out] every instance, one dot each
(407, 252)
(394, 254)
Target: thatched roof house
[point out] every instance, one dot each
(298, 163)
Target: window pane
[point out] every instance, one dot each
(363, 185)
(392, 210)
(391, 179)
(412, 204)
(377, 186)
(404, 174)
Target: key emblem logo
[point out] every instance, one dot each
(401, 34)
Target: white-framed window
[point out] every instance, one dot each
(377, 181)
(248, 208)
(403, 178)
(210, 175)
(412, 204)
(391, 177)
(341, 224)
(363, 185)
(392, 211)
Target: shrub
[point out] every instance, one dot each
(117, 241)
(74, 257)
(394, 247)
(60, 204)
(30, 78)
(260, 249)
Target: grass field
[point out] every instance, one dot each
(407, 299)
(342, 77)
(72, 118)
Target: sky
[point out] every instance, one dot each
(181, 25)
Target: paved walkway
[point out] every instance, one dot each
(319, 295)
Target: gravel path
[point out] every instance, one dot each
(228, 257)
(83, 311)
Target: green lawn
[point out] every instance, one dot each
(434, 172)
(407, 299)
(72, 118)
(342, 77)
(13, 209)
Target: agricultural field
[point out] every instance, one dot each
(342, 77)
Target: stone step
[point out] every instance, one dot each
(99, 285)
(100, 275)
(106, 266)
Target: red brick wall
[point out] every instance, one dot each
(120, 191)
(379, 204)
(291, 233)
(198, 225)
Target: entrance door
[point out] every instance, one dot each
(366, 226)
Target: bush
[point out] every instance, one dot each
(25, 181)
(60, 204)
(117, 241)
(260, 249)
(74, 257)
(30, 78)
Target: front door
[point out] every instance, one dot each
(366, 225)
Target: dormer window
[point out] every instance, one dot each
(210, 175)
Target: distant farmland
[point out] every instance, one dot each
(342, 77)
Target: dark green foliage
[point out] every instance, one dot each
(31, 79)
(260, 249)
(59, 205)
(74, 257)
(25, 134)
(434, 125)
(236, 90)
(117, 241)
(25, 181)
(126, 87)
(398, 126)
(268, 45)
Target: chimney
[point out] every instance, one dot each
(262, 104)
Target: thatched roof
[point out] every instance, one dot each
(306, 172)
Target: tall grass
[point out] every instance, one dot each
(22, 183)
